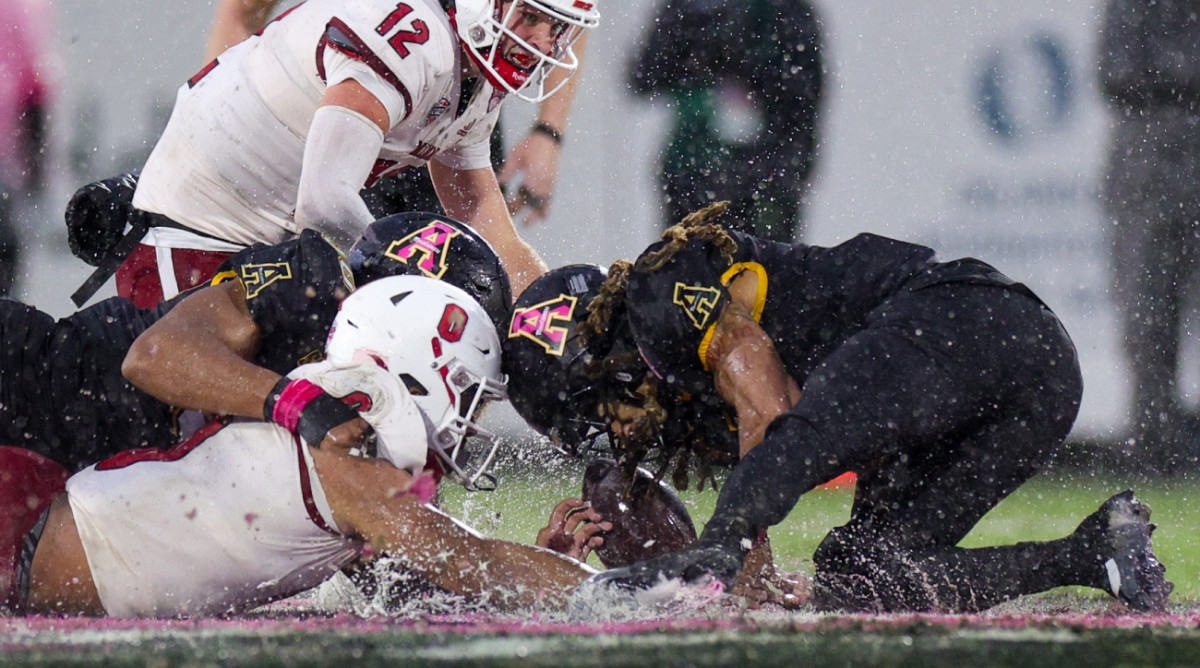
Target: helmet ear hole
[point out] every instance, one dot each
(413, 386)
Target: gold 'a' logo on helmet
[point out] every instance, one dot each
(256, 277)
(546, 324)
(698, 302)
(426, 249)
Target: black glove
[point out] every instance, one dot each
(96, 216)
(690, 565)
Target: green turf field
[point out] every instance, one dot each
(1063, 628)
(1045, 508)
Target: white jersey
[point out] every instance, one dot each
(231, 519)
(228, 164)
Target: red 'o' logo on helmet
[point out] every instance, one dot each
(453, 324)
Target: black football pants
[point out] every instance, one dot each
(947, 401)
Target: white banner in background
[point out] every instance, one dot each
(977, 129)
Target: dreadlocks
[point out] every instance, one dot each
(668, 427)
(608, 301)
(697, 225)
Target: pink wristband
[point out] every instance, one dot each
(291, 403)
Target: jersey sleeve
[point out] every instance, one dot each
(293, 291)
(395, 52)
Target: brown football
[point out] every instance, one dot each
(650, 521)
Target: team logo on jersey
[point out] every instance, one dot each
(257, 277)
(426, 248)
(442, 106)
(698, 302)
(545, 324)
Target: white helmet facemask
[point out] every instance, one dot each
(450, 439)
(489, 31)
(443, 348)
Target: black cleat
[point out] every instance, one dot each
(1120, 533)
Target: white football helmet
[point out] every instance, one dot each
(484, 24)
(443, 347)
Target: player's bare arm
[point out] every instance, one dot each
(747, 371)
(369, 498)
(473, 196)
(234, 21)
(535, 158)
(60, 580)
(197, 356)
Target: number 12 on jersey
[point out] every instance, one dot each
(419, 34)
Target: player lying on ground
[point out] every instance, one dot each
(943, 385)
(118, 376)
(245, 512)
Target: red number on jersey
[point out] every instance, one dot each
(418, 35)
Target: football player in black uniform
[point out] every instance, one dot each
(567, 369)
(112, 376)
(943, 385)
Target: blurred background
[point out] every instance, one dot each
(973, 126)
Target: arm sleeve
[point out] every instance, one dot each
(339, 154)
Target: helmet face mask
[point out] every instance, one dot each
(492, 34)
(442, 346)
(450, 439)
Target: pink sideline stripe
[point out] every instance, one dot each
(291, 403)
(281, 619)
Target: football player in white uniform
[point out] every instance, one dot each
(244, 512)
(282, 131)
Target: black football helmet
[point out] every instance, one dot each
(546, 361)
(558, 384)
(428, 244)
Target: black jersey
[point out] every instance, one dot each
(61, 389)
(293, 290)
(811, 298)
